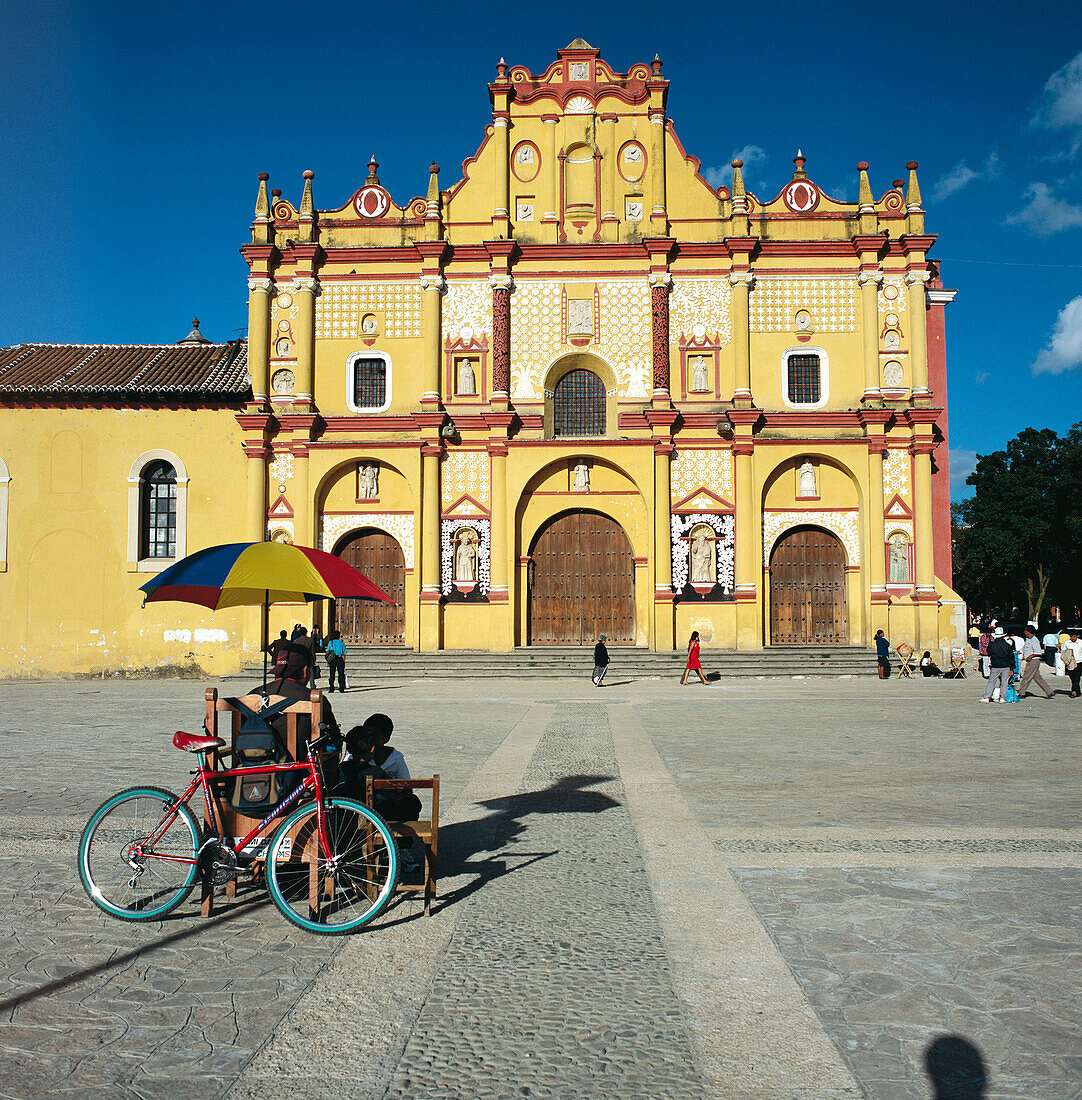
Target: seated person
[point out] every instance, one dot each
(369, 755)
(927, 666)
(292, 669)
(387, 756)
(354, 771)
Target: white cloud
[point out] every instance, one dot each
(962, 463)
(961, 175)
(1061, 104)
(1064, 351)
(982, 377)
(750, 155)
(1045, 214)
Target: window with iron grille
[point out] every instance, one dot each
(369, 383)
(578, 404)
(159, 512)
(803, 379)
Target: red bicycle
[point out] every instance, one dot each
(330, 867)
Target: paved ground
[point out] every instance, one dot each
(756, 889)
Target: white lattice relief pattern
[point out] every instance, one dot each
(896, 473)
(691, 470)
(280, 526)
(281, 467)
(894, 526)
(449, 528)
(704, 302)
(467, 305)
(465, 473)
(624, 305)
(536, 326)
(397, 524)
(845, 525)
(341, 306)
(892, 300)
(725, 548)
(774, 302)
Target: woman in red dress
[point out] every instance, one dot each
(693, 659)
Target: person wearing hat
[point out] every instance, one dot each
(1032, 656)
(1071, 652)
(601, 661)
(1001, 666)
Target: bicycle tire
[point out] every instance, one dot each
(111, 882)
(347, 895)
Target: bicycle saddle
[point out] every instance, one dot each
(193, 742)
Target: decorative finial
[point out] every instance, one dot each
(738, 177)
(656, 64)
(912, 197)
(195, 336)
(799, 160)
(262, 204)
(501, 69)
(373, 179)
(264, 176)
(864, 198)
(276, 192)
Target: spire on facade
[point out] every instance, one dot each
(262, 202)
(864, 199)
(432, 201)
(195, 336)
(372, 179)
(738, 179)
(307, 220)
(798, 171)
(912, 195)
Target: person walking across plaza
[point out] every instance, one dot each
(882, 655)
(1000, 666)
(601, 661)
(1032, 656)
(336, 661)
(693, 659)
(1071, 652)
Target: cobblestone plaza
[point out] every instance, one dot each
(760, 888)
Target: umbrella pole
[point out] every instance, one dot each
(266, 611)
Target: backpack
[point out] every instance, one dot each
(258, 744)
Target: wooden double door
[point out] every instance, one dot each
(581, 582)
(807, 589)
(365, 622)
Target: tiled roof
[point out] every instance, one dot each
(101, 370)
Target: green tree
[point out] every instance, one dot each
(1016, 540)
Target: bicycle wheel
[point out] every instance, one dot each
(124, 874)
(336, 895)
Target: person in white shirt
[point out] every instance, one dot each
(1032, 656)
(1071, 652)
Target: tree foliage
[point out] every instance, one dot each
(1017, 539)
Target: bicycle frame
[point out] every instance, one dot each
(312, 782)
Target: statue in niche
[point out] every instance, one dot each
(699, 382)
(702, 558)
(466, 556)
(467, 380)
(582, 478)
(368, 482)
(899, 560)
(806, 480)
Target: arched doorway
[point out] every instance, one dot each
(581, 582)
(807, 589)
(363, 622)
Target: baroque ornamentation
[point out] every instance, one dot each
(896, 473)
(467, 305)
(891, 297)
(704, 302)
(691, 470)
(341, 306)
(398, 525)
(449, 528)
(725, 545)
(774, 302)
(465, 473)
(845, 525)
(281, 467)
(659, 316)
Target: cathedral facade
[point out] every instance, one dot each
(579, 391)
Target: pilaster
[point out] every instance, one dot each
(428, 633)
(500, 91)
(501, 254)
(307, 259)
(664, 624)
(502, 635)
(433, 286)
(741, 280)
(869, 278)
(658, 86)
(749, 531)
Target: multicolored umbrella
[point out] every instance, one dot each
(243, 574)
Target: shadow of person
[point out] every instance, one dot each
(956, 1068)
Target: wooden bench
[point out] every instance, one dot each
(426, 831)
(225, 721)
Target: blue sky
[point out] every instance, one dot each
(132, 134)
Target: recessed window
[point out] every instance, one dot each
(578, 404)
(159, 512)
(803, 379)
(369, 381)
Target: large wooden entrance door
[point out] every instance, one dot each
(582, 582)
(807, 589)
(364, 622)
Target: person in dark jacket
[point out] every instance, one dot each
(601, 661)
(1001, 666)
(882, 655)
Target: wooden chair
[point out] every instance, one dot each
(905, 655)
(426, 831)
(224, 720)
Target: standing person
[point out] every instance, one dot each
(882, 655)
(601, 661)
(336, 661)
(1071, 652)
(1032, 656)
(275, 647)
(1001, 666)
(1050, 642)
(982, 649)
(318, 644)
(693, 659)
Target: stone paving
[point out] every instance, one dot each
(768, 888)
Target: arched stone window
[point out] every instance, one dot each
(578, 405)
(157, 511)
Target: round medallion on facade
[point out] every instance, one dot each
(892, 319)
(801, 196)
(282, 382)
(371, 202)
(890, 292)
(526, 161)
(892, 375)
(632, 161)
(578, 105)
(284, 300)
